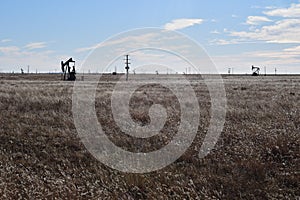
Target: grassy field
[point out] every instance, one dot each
(256, 157)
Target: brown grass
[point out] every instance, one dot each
(257, 156)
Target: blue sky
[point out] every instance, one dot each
(235, 34)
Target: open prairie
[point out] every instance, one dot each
(257, 155)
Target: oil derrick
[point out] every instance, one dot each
(68, 74)
(127, 63)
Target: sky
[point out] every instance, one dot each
(235, 34)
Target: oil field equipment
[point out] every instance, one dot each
(127, 63)
(68, 74)
(255, 71)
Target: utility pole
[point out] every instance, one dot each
(265, 70)
(275, 71)
(127, 63)
(27, 69)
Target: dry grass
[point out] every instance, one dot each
(257, 156)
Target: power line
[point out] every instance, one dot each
(127, 65)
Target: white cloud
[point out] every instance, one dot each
(42, 61)
(277, 55)
(293, 49)
(283, 31)
(84, 49)
(9, 49)
(6, 40)
(283, 61)
(223, 42)
(256, 7)
(256, 20)
(270, 7)
(178, 24)
(215, 32)
(283, 28)
(231, 41)
(145, 38)
(35, 45)
(148, 47)
(292, 11)
(12, 58)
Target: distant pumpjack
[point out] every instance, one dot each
(255, 71)
(66, 69)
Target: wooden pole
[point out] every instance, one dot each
(127, 66)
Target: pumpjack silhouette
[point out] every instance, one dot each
(255, 71)
(68, 74)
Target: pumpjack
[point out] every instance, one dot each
(66, 69)
(255, 71)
